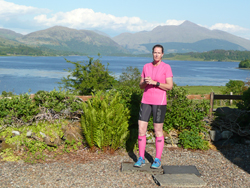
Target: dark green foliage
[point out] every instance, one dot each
(131, 99)
(130, 77)
(19, 109)
(222, 55)
(7, 94)
(20, 50)
(105, 120)
(57, 101)
(184, 114)
(245, 64)
(88, 77)
(246, 100)
(235, 86)
(128, 86)
(186, 117)
(192, 140)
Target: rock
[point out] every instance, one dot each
(171, 146)
(226, 134)
(52, 142)
(43, 135)
(174, 140)
(223, 110)
(66, 111)
(5, 145)
(29, 134)
(245, 141)
(215, 135)
(151, 140)
(37, 138)
(237, 159)
(228, 114)
(72, 132)
(206, 136)
(16, 133)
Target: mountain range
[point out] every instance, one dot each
(187, 37)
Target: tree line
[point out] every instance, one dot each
(222, 55)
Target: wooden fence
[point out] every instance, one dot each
(213, 97)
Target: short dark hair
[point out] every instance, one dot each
(158, 45)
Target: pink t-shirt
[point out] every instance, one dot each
(153, 94)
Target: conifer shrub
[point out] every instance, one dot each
(105, 120)
(22, 110)
(18, 110)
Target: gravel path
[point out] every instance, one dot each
(227, 167)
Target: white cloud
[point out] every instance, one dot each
(174, 22)
(228, 27)
(84, 18)
(9, 10)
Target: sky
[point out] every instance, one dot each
(114, 17)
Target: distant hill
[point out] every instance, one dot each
(8, 34)
(200, 46)
(58, 40)
(186, 33)
(4, 42)
(66, 39)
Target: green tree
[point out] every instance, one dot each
(87, 77)
(245, 64)
(235, 86)
(130, 77)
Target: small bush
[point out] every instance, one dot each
(184, 114)
(192, 140)
(105, 120)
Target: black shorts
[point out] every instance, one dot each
(159, 112)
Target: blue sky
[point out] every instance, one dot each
(115, 16)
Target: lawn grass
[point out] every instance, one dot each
(184, 58)
(201, 90)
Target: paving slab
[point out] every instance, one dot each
(168, 169)
(129, 167)
(178, 180)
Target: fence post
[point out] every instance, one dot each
(211, 103)
(231, 100)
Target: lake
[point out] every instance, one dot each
(21, 73)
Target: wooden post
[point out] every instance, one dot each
(231, 101)
(211, 103)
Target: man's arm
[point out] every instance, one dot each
(165, 86)
(168, 85)
(143, 83)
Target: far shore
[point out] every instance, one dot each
(178, 58)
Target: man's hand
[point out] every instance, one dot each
(149, 81)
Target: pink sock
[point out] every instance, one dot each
(159, 144)
(142, 145)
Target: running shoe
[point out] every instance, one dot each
(156, 163)
(140, 162)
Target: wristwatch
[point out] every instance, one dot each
(158, 84)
